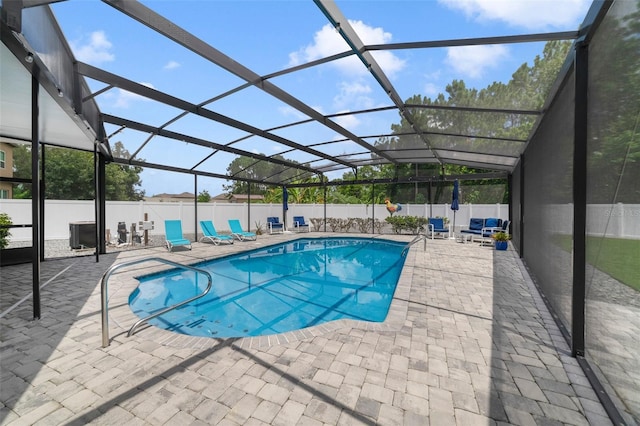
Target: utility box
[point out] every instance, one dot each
(82, 235)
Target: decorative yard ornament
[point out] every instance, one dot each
(392, 208)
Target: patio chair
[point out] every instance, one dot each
(237, 232)
(436, 226)
(299, 224)
(490, 227)
(173, 235)
(474, 229)
(505, 226)
(274, 224)
(210, 234)
(487, 232)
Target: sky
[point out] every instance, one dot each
(267, 36)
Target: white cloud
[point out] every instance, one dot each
(287, 111)
(349, 122)
(473, 61)
(171, 65)
(327, 42)
(353, 94)
(431, 90)
(319, 109)
(538, 15)
(389, 62)
(125, 98)
(96, 50)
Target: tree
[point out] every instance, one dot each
(614, 127)
(527, 90)
(204, 196)
(5, 220)
(367, 193)
(251, 168)
(299, 195)
(69, 175)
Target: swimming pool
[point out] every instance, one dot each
(276, 289)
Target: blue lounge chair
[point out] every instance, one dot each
(491, 228)
(475, 228)
(210, 234)
(299, 225)
(274, 225)
(173, 235)
(436, 226)
(237, 232)
(481, 228)
(492, 225)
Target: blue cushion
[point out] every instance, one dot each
(476, 224)
(438, 224)
(492, 222)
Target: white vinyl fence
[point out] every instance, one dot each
(620, 221)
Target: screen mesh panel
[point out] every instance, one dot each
(548, 191)
(612, 323)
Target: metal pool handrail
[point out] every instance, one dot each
(417, 238)
(105, 307)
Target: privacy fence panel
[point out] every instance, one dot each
(59, 213)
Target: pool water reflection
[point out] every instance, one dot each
(276, 289)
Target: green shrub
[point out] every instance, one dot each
(4, 232)
(411, 224)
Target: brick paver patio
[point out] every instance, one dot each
(468, 342)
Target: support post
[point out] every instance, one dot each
(43, 192)
(579, 198)
(102, 204)
(325, 206)
(96, 200)
(35, 194)
(146, 231)
(373, 207)
(509, 199)
(195, 191)
(430, 200)
(522, 201)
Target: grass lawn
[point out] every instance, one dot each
(617, 257)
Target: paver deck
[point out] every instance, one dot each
(468, 342)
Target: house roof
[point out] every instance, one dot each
(185, 195)
(226, 196)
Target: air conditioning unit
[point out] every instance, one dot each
(82, 235)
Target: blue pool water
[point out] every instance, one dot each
(278, 288)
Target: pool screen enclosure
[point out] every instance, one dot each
(578, 149)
